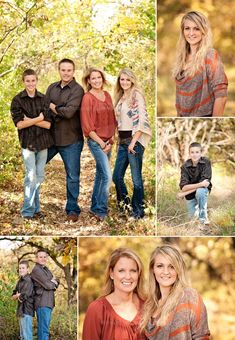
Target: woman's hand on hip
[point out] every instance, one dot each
(131, 148)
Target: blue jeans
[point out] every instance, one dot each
(34, 163)
(26, 327)
(198, 206)
(124, 158)
(103, 179)
(43, 320)
(70, 155)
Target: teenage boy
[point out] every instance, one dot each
(195, 183)
(45, 285)
(23, 293)
(65, 98)
(28, 114)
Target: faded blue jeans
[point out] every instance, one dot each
(198, 206)
(26, 327)
(43, 320)
(124, 158)
(34, 163)
(70, 155)
(103, 179)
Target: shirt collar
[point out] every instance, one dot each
(70, 84)
(189, 162)
(25, 94)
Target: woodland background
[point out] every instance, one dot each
(62, 261)
(210, 262)
(37, 34)
(217, 137)
(221, 17)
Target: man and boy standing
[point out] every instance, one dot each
(35, 292)
(34, 114)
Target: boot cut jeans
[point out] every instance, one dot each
(125, 158)
(103, 179)
(26, 327)
(70, 155)
(34, 163)
(197, 207)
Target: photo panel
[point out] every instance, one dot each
(107, 35)
(210, 258)
(38, 287)
(195, 182)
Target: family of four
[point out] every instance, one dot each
(55, 123)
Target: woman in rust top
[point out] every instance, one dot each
(98, 124)
(172, 310)
(201, 84)
(116, 315)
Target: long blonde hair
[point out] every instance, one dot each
(118, 90)
(183, 47)
(114, 257)
(87, 74)
(173, 254)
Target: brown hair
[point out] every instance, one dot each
(66, 60)
(29, 72)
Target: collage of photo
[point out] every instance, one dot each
(117, 159)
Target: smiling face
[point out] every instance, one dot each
(96, 80)
(41, 258)
(30, 83)
(192, 33)
(195, 154)
(66, 71)
(125, 82)
(23, 269)
(164, 272)
(125, 275)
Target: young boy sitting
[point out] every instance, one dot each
(23, 292)
(195, 183)
(27, 109)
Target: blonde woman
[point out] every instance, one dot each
(201, 84)
(172, 309)
(116, 314)
(98, 125)
(134, 135)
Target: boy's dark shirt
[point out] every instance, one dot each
(44, 288)
(194, 174)
(67, 126)
(34, 137)
(26, 304)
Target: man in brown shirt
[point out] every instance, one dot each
(64, 99)
(45, 285)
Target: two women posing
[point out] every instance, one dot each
(99, 125)
(172, 309)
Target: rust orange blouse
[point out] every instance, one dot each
(103, 323)
(98, 116)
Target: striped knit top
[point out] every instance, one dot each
(195, 96)
(187, 322)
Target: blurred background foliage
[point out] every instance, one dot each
(62, 261)
(221, 17)
(217, 137)
(210, 262)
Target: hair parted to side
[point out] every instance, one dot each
(114, 257)
(183, 47)
(66, 60)
(175, 257)
(118, 91)
(87, 74)
(29, 72)
(195, 145)
(24, 262)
